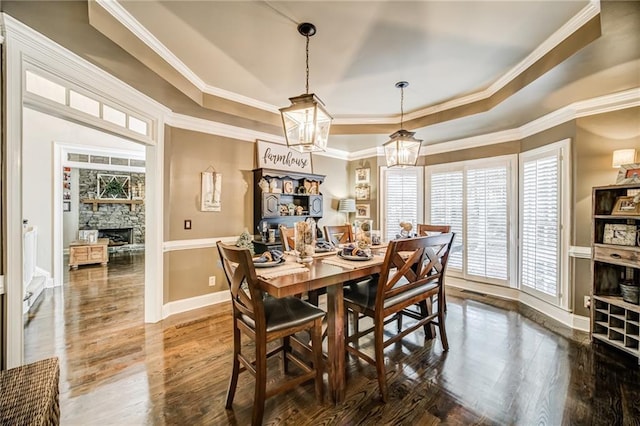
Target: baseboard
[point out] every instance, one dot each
(185, 305)
(48, 283)
(576, 322)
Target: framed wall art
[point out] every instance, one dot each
(363, 192)
(363, 176)
(363, 211)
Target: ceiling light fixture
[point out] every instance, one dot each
(403, 149)
(306, 122)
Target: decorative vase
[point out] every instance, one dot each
(305, 240)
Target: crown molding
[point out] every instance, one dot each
(602, 104)
(202, 125)
(116, 10)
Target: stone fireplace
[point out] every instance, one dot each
(117, 236)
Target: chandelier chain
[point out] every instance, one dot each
(401, 107)
(307, 52)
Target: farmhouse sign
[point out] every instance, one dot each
(280, 157)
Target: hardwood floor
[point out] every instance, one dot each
(502, 368)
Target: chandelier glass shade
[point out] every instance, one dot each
(306, 121)
(402, 149)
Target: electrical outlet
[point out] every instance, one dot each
(212, 281)
(587, 302)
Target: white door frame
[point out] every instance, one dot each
(24, 45)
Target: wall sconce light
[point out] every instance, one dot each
(623, 156)
(306, 122)
(403, 149)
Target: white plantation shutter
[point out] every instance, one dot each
(446, 208)
(487, 238)
(477, 199)
(402, 199)
(540, 224)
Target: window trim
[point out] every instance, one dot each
(511, 162)
(565, 290)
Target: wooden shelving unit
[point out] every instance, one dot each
(613, 320)
(96, 202)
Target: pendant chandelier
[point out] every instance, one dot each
(403, 149)
(306, 122)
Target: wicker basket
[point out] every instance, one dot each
(630, 293)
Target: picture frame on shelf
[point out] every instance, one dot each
(363, 192)
(626, 206)
(66, 206)
(363, 211)
(620, 234)
(628, 173)
(363, 176)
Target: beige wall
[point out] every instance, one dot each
(187, 154)
(597, 137)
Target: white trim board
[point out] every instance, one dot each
(185, 305)
(569, 319)
(177, 245)
(24, 47)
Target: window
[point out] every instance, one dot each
(447, 209)
(476, 199)
(402, 199)
(543, 210)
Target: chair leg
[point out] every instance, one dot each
(312, 297)
(286, 348)
(316, 341)
(443, 332)
(399, 321)
(233, 381)
(444, 301)
(356, 327)
(379, 350)
(429, 331)
(261, 381)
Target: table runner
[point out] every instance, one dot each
(354, 264)
(286, 268)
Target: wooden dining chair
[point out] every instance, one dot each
(287, 237)
(426, 230)
(339, 234)
(265, 319)
(412, 273)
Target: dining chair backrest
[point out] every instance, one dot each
(241, 276)
(426, 230)
(287, 237)
(411, 263)
(339, 234)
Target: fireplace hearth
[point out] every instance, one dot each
(117, 236)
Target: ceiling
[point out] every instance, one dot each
(452, 53)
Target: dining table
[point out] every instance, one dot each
(328, 271)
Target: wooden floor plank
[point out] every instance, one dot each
(506, 365)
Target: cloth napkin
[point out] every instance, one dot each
(280, 270)
(354, 264)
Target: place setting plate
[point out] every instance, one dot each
(269, 264)
(356, 258)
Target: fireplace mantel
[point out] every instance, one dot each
(95, 202)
